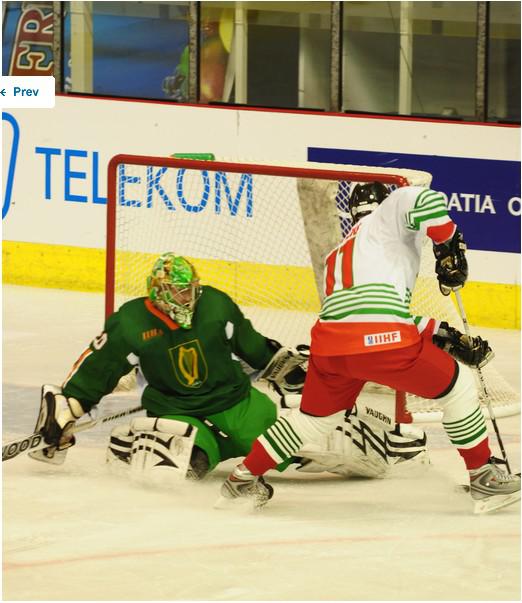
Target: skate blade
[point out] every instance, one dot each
(240, 503)
(493, 503)
(225, 503)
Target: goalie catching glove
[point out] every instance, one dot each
(286, 372)
(473, 351)
(451, 265)
(57, 417)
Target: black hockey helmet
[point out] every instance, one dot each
(365, 198)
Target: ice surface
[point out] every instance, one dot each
(76, 532)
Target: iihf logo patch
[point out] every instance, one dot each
(382, 338)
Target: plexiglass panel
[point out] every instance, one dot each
(410, 58)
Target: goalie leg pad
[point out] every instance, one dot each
(352, 449)
(406, 445)
(159, 458)
(161, 450)
(120, 444)
(124, 453)
(358, 448)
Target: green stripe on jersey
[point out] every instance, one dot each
(364, 312)
(358, 295)
(372, 298)
(429, 205)
(372, 290)
(366, 308)
(350, 301)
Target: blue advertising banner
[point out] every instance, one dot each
(483, 194)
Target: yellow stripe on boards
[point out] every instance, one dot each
(53, 266)
(492, 304)
(83, 269)
(290, 287)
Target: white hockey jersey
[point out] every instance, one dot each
(370, 276)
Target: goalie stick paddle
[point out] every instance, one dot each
(485, 394)
(36, 441)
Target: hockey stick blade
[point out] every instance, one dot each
(28, 444)
(36, 441)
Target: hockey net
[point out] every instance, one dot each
(260, 233)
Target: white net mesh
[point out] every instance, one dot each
(254, 250)
(262, 239)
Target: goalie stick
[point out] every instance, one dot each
(36, 441)
(485, 394)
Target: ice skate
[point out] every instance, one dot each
(491, 488)
(241, 486)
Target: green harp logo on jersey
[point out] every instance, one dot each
(189, 364)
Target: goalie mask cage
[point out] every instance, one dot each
(260, 233)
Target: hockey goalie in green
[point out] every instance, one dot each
(198, 361)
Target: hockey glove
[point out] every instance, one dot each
(57, 417)
(451, 265)
(473, 351)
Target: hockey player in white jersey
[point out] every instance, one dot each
(365, 332)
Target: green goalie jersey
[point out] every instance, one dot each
(194, 371)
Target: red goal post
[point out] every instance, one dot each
(259, 232)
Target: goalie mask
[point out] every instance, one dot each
(173, 287)
(365, 198)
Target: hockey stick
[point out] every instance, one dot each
(36, 441)
(485, 394)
